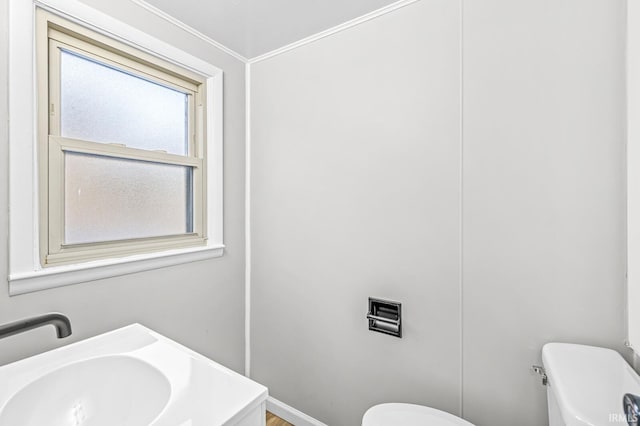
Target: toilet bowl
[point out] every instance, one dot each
(398, 414)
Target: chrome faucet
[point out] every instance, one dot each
(59, 321)
(631, 404)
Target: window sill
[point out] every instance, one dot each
(58, 276)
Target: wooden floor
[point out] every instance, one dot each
(273, 420)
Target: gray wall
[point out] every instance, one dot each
(355, 193)
(199, 304)
(496, 217)
(544, 193)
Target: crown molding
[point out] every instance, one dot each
(187, 28)
(333, 30)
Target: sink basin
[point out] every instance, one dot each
(131, 376)
(103, 391)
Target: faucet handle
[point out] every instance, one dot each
(631, 405)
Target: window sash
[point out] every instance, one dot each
(55, 48)
(53, 250)
(59, 252)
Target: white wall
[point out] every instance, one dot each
(361, 180)
(544, 192)
(355, 193)
(200, 304)
(633, 175)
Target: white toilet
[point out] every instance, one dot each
(397, 414)
(586, 385)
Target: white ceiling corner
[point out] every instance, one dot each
(255, 27)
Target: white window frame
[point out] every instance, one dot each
(26, 274)
(55, 35)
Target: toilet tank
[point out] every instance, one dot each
(586, 385)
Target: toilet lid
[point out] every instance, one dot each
(409, 415)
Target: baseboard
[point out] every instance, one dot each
(290, 414)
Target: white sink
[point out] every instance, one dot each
(128, 377)
(104, 391)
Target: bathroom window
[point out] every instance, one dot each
(115, 149)
(121, 148)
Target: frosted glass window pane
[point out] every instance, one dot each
(110, 199)
(102, 104)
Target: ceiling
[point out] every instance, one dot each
(254, 27)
